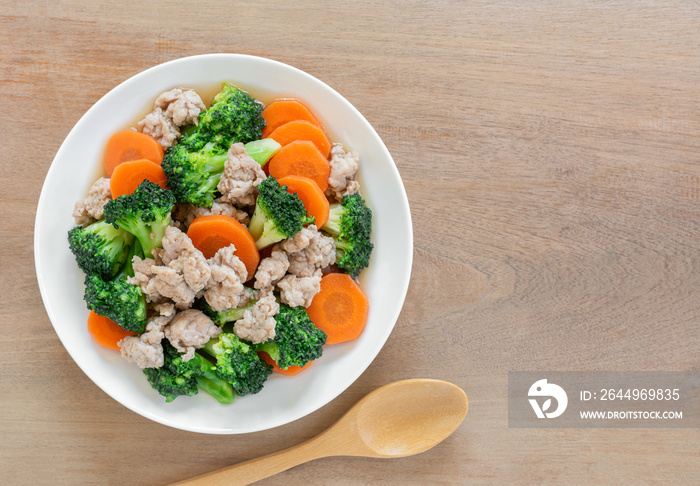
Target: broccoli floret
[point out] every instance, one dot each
(172, 385)
(278, 214)
(145, 213)
(297, 339)
(238, 363)
(100, 248)
(177, 377)
(225, 316)
(350, 224)
(117, 299)
(194, 174)
(234, 116)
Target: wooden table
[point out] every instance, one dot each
(551, 155)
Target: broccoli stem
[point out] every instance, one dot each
(149, 236)
(335, 215)
(262, 229)
(262, 150)
(341, 246)
(209, 347)
(268, 238)
(216, 164)
(216, 387)
(270, 348)
(232, 315)
(257, 222)
(115, 238)
(211, 184)
(136, 250)
(211, 383)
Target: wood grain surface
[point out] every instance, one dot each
(551, 155)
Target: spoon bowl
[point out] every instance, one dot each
(397, 420)
(410, 416)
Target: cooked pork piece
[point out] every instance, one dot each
(241, 176)
(91, 208)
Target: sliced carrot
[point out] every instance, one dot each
(106, 332)
(292, 370)
(315, 202)
(301, 158)
(128, 175)
(130, 145)
(302, 130)
(212, 232)
(340, 309)
(283, 111)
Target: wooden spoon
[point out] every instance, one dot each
(396, 420)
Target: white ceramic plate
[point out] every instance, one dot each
(283, 399)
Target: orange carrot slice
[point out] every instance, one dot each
(212, 232)
(302, 130)
(130, 145)
(340, 309)
(283, 111)
(106, 332)
(301, 158)
(292, 370)
(311, 195)
(128, 175)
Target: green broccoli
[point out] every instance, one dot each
(194, 166)
(117, 299)
(177, 377)
(278, 214)
(234, 116)
(238, 363)
(194, 174)
(225, 316)
(262, 150)
(100, 248)
(350, 224)
(297, 339)
(145, 213)
(171, 384)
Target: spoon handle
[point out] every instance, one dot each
(260, 468)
